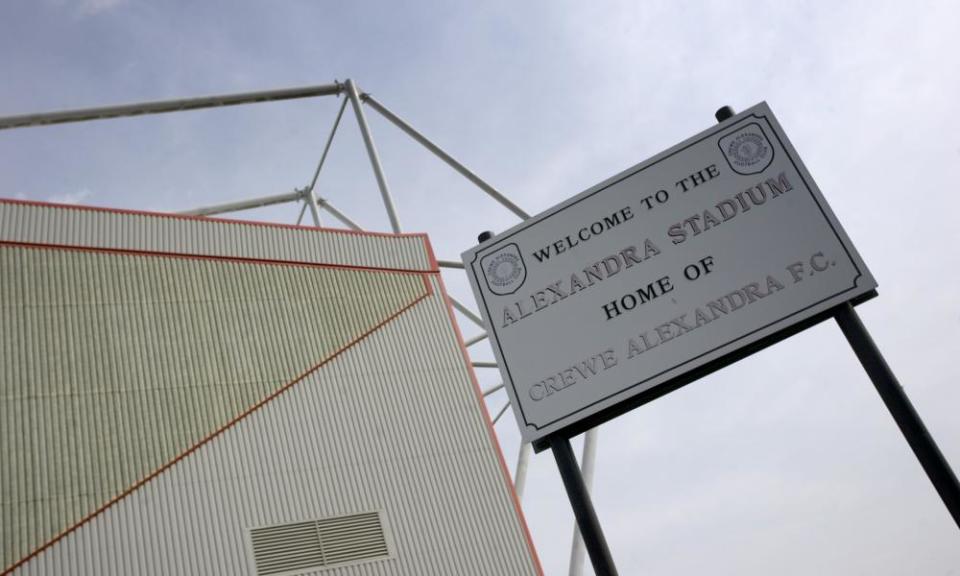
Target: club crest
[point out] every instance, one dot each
(747, 150)
(504, 270)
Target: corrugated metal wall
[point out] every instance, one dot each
(79, 226)
(389, 423)
(114, 364)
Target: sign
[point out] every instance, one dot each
(684, 263)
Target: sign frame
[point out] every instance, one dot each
(860, 292)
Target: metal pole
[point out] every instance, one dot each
(439, 153)
(587, 461)
(326, 205)
(467, 312)
(520, 476)
(164, 106)
(374, 158)
(450, 264)
(892, 394)
(312, 198)
(500, 413)
(475, 339)
(492, 389)
(246, 204)
(582, 505)
(906, 417)
(303, 210)
(314, 210)
(326, 148)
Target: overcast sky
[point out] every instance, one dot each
(785, 463)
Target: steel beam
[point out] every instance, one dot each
(374, 157)
(164, 106)
(475, 339)
(326, 205)
(245, 204)
(441, 154)
(326, 148)
(520, 475)
(492, 389)
(314, 209)
(500, 413)
(303, 210)
(467, 312)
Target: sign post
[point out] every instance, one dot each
(894, 397)
(698, 257)
(907, 419)
(579, 495)
(582, 504)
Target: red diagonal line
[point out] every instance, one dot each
(216, 433)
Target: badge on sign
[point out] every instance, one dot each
(747, 150)
(504, 270)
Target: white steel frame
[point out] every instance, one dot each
(314, 203)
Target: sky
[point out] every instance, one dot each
(786, 462)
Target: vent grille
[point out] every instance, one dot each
(352, 538)
(290, 548)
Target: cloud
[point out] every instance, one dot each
(784, 462)
(94, 7)
(70, 197)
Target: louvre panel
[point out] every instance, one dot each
(286, 548)
(327, 542)
(352, 538)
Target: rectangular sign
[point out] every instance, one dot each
(666, 271)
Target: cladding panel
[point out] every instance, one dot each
(115, 364)
(358, 432)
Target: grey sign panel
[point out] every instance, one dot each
(670, 269)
